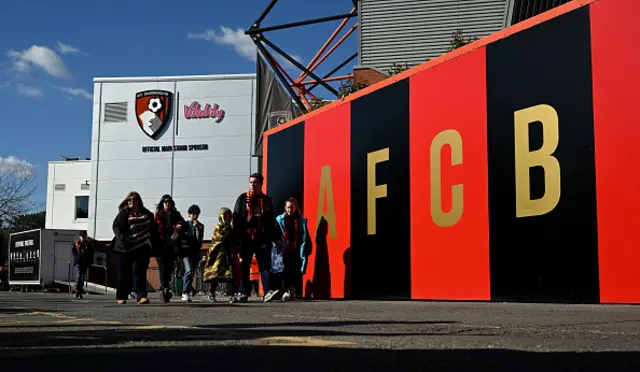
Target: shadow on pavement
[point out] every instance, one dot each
(68, 335)
(307, 359)
(247, 325)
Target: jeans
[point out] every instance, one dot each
(166, 265)
(291, 276)
(190, 267)
(132, 265)
(263, 256)
(81, 271)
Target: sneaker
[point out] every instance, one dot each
(186, 297)
(212, 298)
(238, 298)
(270, 295)
(143, 301)
(286, 296)
(122, 302)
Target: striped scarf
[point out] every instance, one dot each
(139, 231)
(255, 205)
(292, 231)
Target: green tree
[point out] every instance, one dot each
(29, 221)
(458, 40)
(397, 68)
(350, 86)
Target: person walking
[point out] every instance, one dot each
(296, 250)
(253, 226)
(219, 265)
(136, 235)
(171, 226)
(190, 252)
(82, 251)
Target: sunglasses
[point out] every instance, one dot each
(131, 200)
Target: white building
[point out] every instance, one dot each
(188, 136)
(68, 195)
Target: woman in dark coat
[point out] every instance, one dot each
(136, 235)
(171, 228)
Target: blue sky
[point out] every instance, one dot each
(52, 50)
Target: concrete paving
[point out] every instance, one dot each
(54, 332)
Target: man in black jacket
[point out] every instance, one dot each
(82, 251)
(253, 227)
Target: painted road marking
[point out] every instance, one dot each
(302, 341)
(156, 327)
(295, 341)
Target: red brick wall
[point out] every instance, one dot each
(367, 76)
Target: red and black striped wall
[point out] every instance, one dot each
(505, 170)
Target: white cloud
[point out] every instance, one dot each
(29, 91)
(66, 48)
(63, 48)
(42, 57)
(77, 92)
(17, 167)
(241, 43)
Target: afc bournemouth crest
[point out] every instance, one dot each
(153, 111)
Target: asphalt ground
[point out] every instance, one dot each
(53, 332)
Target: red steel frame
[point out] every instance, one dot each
(301, 87)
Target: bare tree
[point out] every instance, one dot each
(17, 185)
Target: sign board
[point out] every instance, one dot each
(24, 257)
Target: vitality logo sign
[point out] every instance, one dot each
(153, 111)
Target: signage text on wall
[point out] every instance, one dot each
(195, 111)
(176, 148)
(24, 256)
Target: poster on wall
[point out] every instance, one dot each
(24, 257)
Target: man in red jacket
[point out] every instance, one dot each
(253, 226)
(82, 251)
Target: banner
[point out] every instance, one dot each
(275, 107)
(24, 257)
(466, 179)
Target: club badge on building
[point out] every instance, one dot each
(153, 111)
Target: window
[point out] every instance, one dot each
(84, 186)
(82, 207)
(60, 187)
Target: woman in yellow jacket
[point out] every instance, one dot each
(219, 265)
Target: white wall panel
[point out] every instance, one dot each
(210, 178)
(61, 204)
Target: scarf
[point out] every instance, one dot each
(292, 227)
(81, 247)
(255, 205)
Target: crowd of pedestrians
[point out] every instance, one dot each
(279, 242)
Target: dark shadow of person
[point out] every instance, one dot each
(321, 286)
(347, 272)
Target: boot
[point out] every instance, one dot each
(166, 295)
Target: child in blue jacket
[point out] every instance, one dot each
(291, 250)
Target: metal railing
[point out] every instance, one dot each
(103, 267)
